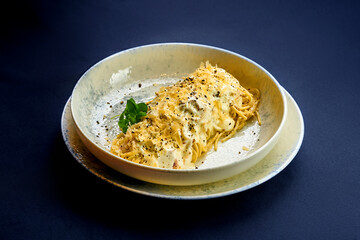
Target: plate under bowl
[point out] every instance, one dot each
(279, 157)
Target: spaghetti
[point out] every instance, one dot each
(188, 118)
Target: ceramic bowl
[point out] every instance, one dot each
(101, 93)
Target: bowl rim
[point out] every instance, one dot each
(185, 171)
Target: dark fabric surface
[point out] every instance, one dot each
(311, 47)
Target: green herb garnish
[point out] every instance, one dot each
(132, 114)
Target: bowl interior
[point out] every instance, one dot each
(101, 93)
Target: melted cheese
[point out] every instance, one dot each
(187, 119)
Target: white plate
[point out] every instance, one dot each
(280, 156)
(139, 73)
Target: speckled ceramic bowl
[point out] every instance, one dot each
(101, 94)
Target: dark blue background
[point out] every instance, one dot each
(311, 47)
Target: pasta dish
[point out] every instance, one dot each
(189, 118)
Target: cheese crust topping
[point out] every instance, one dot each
(187, 119)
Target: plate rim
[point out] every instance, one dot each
(193, 197)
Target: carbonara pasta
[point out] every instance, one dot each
(187, 119)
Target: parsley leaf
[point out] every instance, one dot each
(132, 114)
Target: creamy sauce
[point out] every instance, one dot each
(198, 111)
